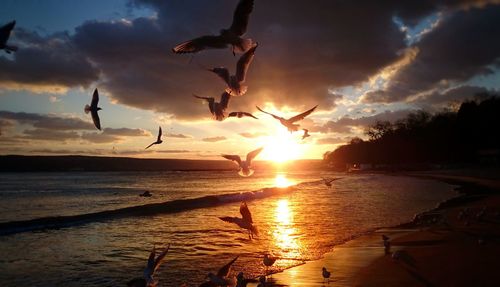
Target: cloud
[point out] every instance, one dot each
(451, 97)
(179, 136)
(334, 140)
(49, 135)
(214, 139)
(47, 121)
(110, 135)
(253, 135)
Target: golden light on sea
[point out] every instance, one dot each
(282, 181)
(284, 233)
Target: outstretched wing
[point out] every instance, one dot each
(95, 99)
(95, 119)
(5, 32)
(200, 43)
(274, 116)
(251, 155)
(245, 212)
(232, 114)
(150, 145)
(235, 158)
(159, 135)
(302, 116)
(204, 98)
(244, 63)
(223, 73)
(224, 271)
(151, 262)
(241, 16)
(224, 100)
(249, 115)
(160, 258)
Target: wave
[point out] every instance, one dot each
(174, 206)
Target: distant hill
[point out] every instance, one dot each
(19, 163)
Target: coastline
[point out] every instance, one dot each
(430, 247)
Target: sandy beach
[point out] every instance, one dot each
(455, 244)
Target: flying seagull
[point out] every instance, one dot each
(149, 271)
(93, 109)
(326, 275)
(231, 36)
(217, 109)
(241, 115)
(220, 279)
(245, 221)
(306, 134)
(235, 83)
(4, 37)
(289, 123)
(158, 140)
(245, 166)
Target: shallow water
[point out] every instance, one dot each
(300, 224)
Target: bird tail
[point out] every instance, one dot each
(243, 45)
(87, 109)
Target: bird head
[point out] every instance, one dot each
(99, 109)
(324, 269)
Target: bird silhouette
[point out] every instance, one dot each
(4, 37)
(217, 109)
(158, 140)
(306, 134)
(326, 275)
(290, 123)
(245, 221)
(227, 37)
(241, 115)
(245, 165)
(93, 109)
(220, 279)
(153, 264)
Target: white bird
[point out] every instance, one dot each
(241, 115)
(93, 109)
(269, 261)
(245, 221)
(289, 123)
(217, 109)
(231, 36)
(245, 166)
(4, 37)
(158, 140)
(152, 266)
(235, 82)
(220, 279)
(326, 275)
(306, 134)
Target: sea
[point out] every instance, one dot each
(93, 228)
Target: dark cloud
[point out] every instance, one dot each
(463, 45)
(49, 135)
(214, 139)
(253, 135)
(47, 121)
(174, 151)
(452, 97)
(110, 135)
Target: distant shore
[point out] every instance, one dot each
(440, 247)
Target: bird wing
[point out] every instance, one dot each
(160, 258)
(151, 262)
(200, 43)
(232, 157)
(5, 32)
(204, 98)
(244, 63)
(95, 119)
(159, 135)
(150, 145)
(241, 16)
(274, 116)
(245, 212)
(251, 155)
(224, 271)
(224, 100)
(230, 219)
(233, 114)
(302, 116)
(223, 73)
(249, 115)
(95, 99)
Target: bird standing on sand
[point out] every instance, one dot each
(235, 82)
(217, 109)
(149, 271)
(93, 109)
(245, 221)
(326, 275)
(241, 281)
(158, 140)
(306, 134)
(241, 115)
(231, 36)
(220, 279)
(268, 261)
(289, 123)
(4, 37)
(262, 281)
(245, 165)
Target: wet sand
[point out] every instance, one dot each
(456, 244)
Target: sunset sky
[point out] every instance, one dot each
(360, 61)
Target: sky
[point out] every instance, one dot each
(359, 61)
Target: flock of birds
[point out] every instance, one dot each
(231, 37)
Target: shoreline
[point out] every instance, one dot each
(360, 261)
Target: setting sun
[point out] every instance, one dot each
(282, 181)
(282, 146)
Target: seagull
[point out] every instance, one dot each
(220, 279)
(289, 123)
(4, 37)
(269, 261)
(262, 281)
(149, 271)
(326, 275)
(231, 36)
(235, 83)
(328, 181)
(245, 166)
(217, 109)
(93, 109)
(158, 140)
(244, 222)
(241, 281)
(385, 237)
(241, 115)
(306, 134)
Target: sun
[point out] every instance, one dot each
(282, 146)
(282, 181)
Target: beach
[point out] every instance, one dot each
(455, 244)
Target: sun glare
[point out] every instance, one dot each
(281, 181)
(282, 146)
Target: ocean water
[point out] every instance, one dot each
(296, 223)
